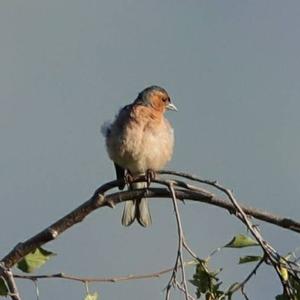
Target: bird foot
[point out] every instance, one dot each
(150, 175)
(128, 178)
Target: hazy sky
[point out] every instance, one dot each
(231, 67)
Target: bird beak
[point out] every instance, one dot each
(171, 106)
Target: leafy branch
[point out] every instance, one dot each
(286, 268)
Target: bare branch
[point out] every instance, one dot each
(181, 288)
(179, 258)
(10, 282)
(94, 279)
(284, 222)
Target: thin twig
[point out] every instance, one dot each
(244, 294)
(270, 253)
(284, 222)
(37, 291)
(181, 288)
(94, 279)
(9, 280)
(250, 275)
(189, 250)
(180, 242)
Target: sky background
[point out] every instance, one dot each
(231, 67)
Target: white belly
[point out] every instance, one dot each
(140, 150)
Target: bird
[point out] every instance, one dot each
(139, 141)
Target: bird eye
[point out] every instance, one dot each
(164, 99)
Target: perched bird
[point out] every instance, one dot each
(138, 141)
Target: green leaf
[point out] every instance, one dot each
(91, 296)
(284, 273)
(295, 283)
(206, 281)
(241, 241)
(3, 288)
(34, 260)
(249, 258)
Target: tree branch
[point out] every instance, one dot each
(94, 279)
(284, 222)
(99, 199)
(9, 280)
(270, 253)
(179, 258)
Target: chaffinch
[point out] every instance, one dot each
(139, 140)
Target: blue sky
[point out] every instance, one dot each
(231, 67)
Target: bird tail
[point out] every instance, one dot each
(137, 209)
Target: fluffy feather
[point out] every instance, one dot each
(139, 139)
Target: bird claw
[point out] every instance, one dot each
(150, 175)
(128, 178)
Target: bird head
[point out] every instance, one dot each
(155, 97)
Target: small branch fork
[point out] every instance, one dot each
(241, 285)
(7, 276)
(175, 189)
(270, 254)
(179, 259)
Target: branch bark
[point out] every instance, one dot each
(8, 277)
